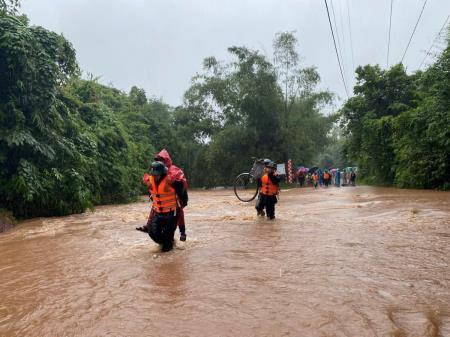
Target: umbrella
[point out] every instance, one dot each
(302, 169)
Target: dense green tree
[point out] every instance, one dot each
(397, 125)
(9, 6)
(305, 128)
(66, 143)
(307, 132)
(34, 63)
(286, 59)
(422, 142)
(236, 111)
(137, 96)
(239, 97)
(380, 95)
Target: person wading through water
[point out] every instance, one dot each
(175, 175)
(326, 178)
(268, 191)
(315, 179)
(165, 196)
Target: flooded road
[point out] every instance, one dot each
(336, 262)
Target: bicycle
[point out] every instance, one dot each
(245, 186)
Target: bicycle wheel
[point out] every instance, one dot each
(245, 187)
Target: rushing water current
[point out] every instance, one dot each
(336, 262)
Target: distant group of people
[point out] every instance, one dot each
(326, 178)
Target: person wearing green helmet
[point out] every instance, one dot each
(166, 196)
(268, 190)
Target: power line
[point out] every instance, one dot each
(335, 48)
(344, 58)
(343, 32)
(434, 41)
(389, 38)
(414, 30)
(338, 39)
(350, 31)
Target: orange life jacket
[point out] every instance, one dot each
(315, 177)
(164, 196)
(268, 187)
(326, 176)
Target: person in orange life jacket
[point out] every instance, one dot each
(268, 189)
(165, 195)
(315, 179)
(175, 175)
(326, 178)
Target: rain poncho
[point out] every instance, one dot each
(174, 172)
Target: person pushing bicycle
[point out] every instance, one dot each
(268, 190)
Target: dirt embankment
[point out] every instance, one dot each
(6, 221)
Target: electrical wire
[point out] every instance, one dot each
(344, 48)
(389, 36)
(335, 48)
(350, 32)
(414, 30)
(338, 40)
(434, 41)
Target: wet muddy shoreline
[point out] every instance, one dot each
(6, 222)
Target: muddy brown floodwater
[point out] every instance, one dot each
(336, 262)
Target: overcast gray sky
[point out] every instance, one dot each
(160, 45)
